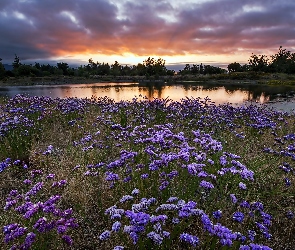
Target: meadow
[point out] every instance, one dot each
(98, 174)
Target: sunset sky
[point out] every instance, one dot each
(215, 32)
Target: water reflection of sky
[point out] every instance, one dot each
(127, 91)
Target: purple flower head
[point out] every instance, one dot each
(191, 239)
(116, 226)
(245, 204)
(257, 206)
(287, 182)
(258, 247)
(36, 172)
(167, 207)
(118, 248)
(30, 238)
(223, 160)
(105, 235)
(175, 220)
(155, 237)
(110, 176)
(242, 186)
(67, 239)
(164, 185)
(17, 162)
(36, 188)
(144, 176)
(206, 184)
(238, 216)
(217, 214)
(50, 176)
(233, 198)
(13, 231)
(135, 191)
(155, 219)
(139, 220)
(290, 215)
(210, 161)
(27, 182)
(127, 179)
(13, 192)
(208, 225)
(126, 198)
(187, 209)
(61, 229)
(172, 199)
(134, 236)
(172, 174)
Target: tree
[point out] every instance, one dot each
(116, 69)
(140, 69)
(234, 67)
(64, 67)
(2, 70)
(16, 63)
(155, 67)
(258, 63)
(283, 61)
(195, 69)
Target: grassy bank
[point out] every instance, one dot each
(241, 78)
(94, 174)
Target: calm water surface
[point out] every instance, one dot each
(279, 97)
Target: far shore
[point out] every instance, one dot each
(269, 79)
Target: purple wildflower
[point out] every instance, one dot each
(118, 248)
(233, 198)
(50, 176)
(242, 186)
(217, 214)
(223, 160)
(67, 239)
(27, 182)
(245, 204)
(238, 216)
(126, 198)
(155, 237)
(105, 235)
(191, 239)
(172, 199)
(135, 191)
(116, 226)
(134, 236)
(110, 176)
(287, 182)
(290, 215)
(206, 184)
(144, 176)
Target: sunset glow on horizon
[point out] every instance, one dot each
(207, 31)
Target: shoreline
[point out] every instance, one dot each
(214, 80)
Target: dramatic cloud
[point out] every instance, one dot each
(35, 29)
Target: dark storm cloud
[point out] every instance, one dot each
(40, 29)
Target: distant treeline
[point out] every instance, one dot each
(282, 62)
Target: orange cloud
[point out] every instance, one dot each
(47, 29)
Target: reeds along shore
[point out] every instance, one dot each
(95, 174)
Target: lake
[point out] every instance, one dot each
(278, 97)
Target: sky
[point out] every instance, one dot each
(215, 32)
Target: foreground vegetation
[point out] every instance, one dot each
(94, 174)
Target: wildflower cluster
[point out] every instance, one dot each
(203, 174)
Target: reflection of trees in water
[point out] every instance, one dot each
(117, 89)
(152, 91)
(256, 92)
(210, 87)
